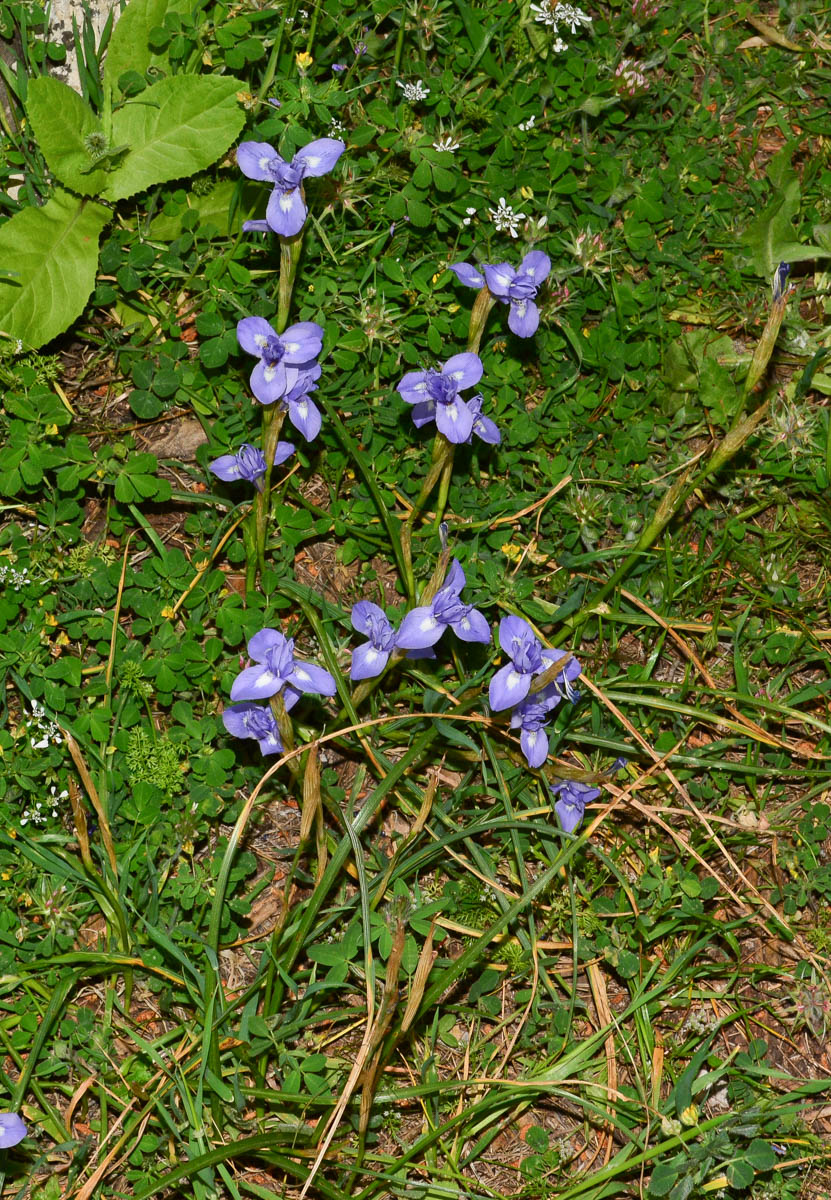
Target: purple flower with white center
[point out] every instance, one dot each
(483, 427)
(286, 211)
(258, 721)
(517, 288)
(435, 395)
(248, 463)
(572, 798)
(299, 346)
(370, 659)
(12, 1130)
(303, 412)
(512, 683)
(422, 627)
(277, 668)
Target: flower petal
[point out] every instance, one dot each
(570, 814)
(363, 612)
(534, 743)
(472, 627)
(225, 467)
(499, 278)
(265, 640)
(305, 417)
(302, 343)
(507, 688)
(512, 629)
(12, 1130)
(268, 383)
(468, 275)
(523, 318)
(253, 333)
(465, 368)
(286, 212)
(255, 683)
(454, 420)
(455, 578)
(319, 156)
(253, 159)
(256, 227)
(283, 452)
(535, 265)
(413, 387)
(419, 629)
(307, 677)
(424, 413)
(367, 662)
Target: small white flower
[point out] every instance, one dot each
(559, 46)
(447, 143)
(526, 125)
(336, 127)
(471, 213)
(553, 14)
(413, 92)
(505, 219)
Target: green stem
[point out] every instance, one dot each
(482, 306)
(289, 258)
(442, 460)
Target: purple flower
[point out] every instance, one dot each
(572, 798)
(511, 683)
(370, 659)
(514, 287)
(276, 668)
(256, 227)
(531, 717)
(257, 721)
(483, 427)
(286, 211)
(248, 463)
(339, 67)
(303, 412)
(435, 395)
(12, 1130)
(422, 627)
(299, 346)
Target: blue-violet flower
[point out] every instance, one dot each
(303, 412)
(511, 683)
(517, 288)
(248, 463)
(370, 659)
(422, 627)
(276, 669)
(258, 721)
(286, 212)
(572, 798)
(435, 395)
(299, 346)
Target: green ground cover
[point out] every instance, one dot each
(421, 935)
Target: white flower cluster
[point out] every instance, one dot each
(505, 219)
(336, 128)
(43, 731)
(447, 143)
(16, 579)
(413, 92)
(554, 14)
(38, 814)
(471, 213)
(524, 126)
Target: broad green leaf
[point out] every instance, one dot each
(771, 238)
(61, 121)
(54, 250)
(129, 49)
(177, 127)
(214, 209)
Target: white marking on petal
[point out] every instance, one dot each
(300, 674)
(287, 200)
(513, 679)
(260, 340)
(303, 410)
(428, 622)
(371, 655)
(267, 678)
(264, 163)
(310, 161)
(465, 623)
(291, 347)
(269, 373)
(521, 306)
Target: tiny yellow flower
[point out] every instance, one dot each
(304, 60)
(689, 1116)
(169, 612)
(526, 193)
